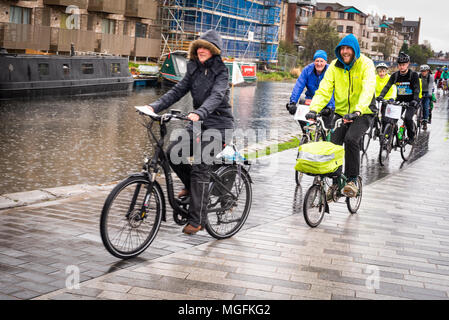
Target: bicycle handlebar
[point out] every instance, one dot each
(320, 120)
(397, 103)
(166, 117)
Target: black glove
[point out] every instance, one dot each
(291, 107)
(379, 98)
(325, 112)
(351, 116)
(413, 103)
(311, 115)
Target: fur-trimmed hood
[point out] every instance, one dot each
(211, 40)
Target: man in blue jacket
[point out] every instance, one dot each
(310, 78)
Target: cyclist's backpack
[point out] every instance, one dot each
(319, 157)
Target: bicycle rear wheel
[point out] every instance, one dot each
(314, 206)
(129, 220)
(229, 214)
(353, 204)
(386, 142)
(299, 175)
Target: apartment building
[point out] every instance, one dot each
(118, 27)
(299, 13)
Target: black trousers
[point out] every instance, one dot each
(350, 135)
(195, 176)
(408, 120)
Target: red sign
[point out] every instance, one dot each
(248, 71)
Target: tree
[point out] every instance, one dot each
(320, 35)
(419, 53)
(386, 46)
(404, 48)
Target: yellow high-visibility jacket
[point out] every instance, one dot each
(380, 84)
(354, 88)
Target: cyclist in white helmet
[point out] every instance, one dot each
(382, 79)
(427, 90)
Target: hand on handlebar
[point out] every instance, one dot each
(193, 117)
(311, 115)
(350, 117)
(291, 108)
(150, 108)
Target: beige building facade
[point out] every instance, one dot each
(118, 27)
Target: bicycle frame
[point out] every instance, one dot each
(160, 160)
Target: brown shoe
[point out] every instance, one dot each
(350, 190)
(189, 229)
(183, 193)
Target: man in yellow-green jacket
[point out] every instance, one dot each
(352, 79)
(382, 79)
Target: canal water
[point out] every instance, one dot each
(98, 139)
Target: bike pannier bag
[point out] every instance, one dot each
(319, 157)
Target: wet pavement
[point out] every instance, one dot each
(401, 230)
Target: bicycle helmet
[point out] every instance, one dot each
(424, 67)
(382, 65)
(403, 58)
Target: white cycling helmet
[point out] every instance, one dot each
(382, 65)
(424, 67)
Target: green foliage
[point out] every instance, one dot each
(286, 47)
(291, 144)
(419, 53)
(320, 35)
(275, 76)
(404, 48)
(136, 65)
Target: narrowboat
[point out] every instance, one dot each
(174, 67)
(28, 75)
(146, 76)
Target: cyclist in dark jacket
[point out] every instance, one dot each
(207, 81)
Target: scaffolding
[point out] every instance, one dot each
(249, 28)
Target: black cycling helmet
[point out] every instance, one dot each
(403, 58)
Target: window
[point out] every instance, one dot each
(374, 39)
(340, 28)
(19, 15)
(328, 14)
(376, 30)
(87, 68)
(349, 29)
(141, 30)
(44, 69)
(108, 26)
(66, 69)
(341, 15)
(115, 68)
(350, 16)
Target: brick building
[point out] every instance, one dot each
(119, 27)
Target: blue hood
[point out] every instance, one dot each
(350, 41)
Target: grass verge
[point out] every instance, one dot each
(274, 148)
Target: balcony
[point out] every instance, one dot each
(115, 44)
(61, 40)
(24, 36)
(146, 9)
(108, 6)
(82, 4)
(145, 47)
(304, 21)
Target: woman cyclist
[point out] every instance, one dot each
(427, 90)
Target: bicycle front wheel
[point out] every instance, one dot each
(230, 200)
(314, 206)
(406, 148)
(365, 141)
(386, 142)
(353, 204)
(131, 217)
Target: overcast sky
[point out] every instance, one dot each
(434, 16)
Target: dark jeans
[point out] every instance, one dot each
(425, 105)
(195, 177)
(408, 120)
(350, 135)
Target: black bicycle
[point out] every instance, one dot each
(133, 211)
(394, 135)
(373, 132)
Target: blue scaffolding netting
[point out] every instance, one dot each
(249, 28)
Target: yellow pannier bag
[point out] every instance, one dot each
(319, 157)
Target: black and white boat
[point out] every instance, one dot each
(25, 75)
